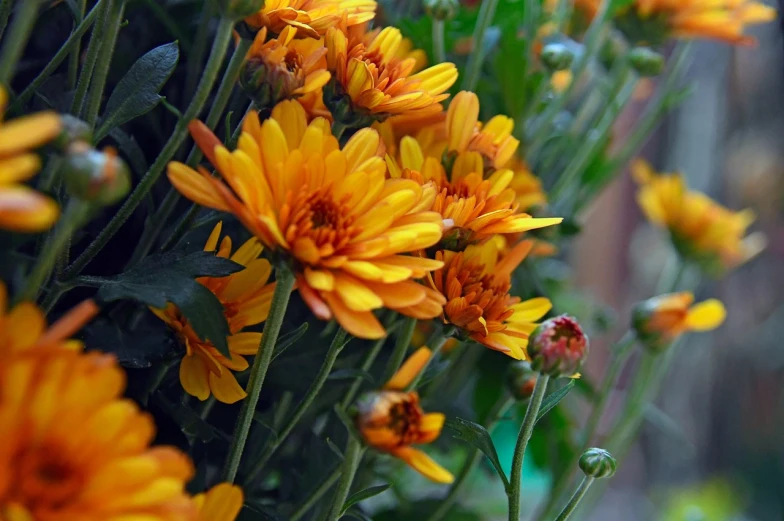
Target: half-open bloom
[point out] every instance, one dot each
(222, 502)
(311, 18)
(660, 320)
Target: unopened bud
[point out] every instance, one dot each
(597, 463)
(521, 380)
(556, 56)
(646, 61)
(614, 47)
(96, 176)
(239, 9)
(558, 346)
(266, 84)
(73, 130)
(441, 9)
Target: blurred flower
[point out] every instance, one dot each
(526, 186)
(558, 347)
(521, 379)
(246, 297)
(22, 209)
(701, 229)
(330, 214)
(391, 420)
(714, 500)
(476, 284)
(222, 502)
(98, 176)
(311, 18)
(660, 320)
(560, 80)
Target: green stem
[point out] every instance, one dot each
(74, 216)
(474, 65)
(280, 299)
(347, 471)
(196, 54)
(578, 495)
(207, 407)
(562, 13)
(439, 45)
(372, 354)
(338, 129)
(90, 59)
(22, 26)
(526, 429)
(71, 44)
(101, 73)
(402, 343)
(159, 11)
(5, 13)
(337, 345)
(436, 341)
(316, 495)
(73, 58)
(210, 74)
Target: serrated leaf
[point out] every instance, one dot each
(552, 399)
(478, 437)
(363, 495)
(288, 339)
(170, 277)
(137, 92)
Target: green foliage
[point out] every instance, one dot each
(478, 437)
(363, 495)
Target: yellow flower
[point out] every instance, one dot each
(661, 320)
(22, 209)
(330, 213)
(391, 420)
(311, 18)
(379, 84)
(246, 297)
(222, 502)
(526, 186)
(701, 229)
(476, 285)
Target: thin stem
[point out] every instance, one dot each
(316, 495)
(439, 45)
(101, 73)
(337, 345)
(159, 11)
(402, 344)
(280, 300)
(576, 497)
(73, 58)
(71, 44)
(436, 341)
(372, 354)
(474, 65)
(90, 59)
(526, 429)
(210, 74)
(347, 471)
(207, 407)
(5, 13)
(196, 54)
(22, 26)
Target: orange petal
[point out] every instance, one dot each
(423, 464)
(409, 370)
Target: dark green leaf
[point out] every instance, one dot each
(288, 339)
(142, 346)
(347, 421)
(357, 514)
(259, 418)
(552, 399)
(334, 448)
(137, 92)
(76, 12)
(169, 277)
(255, 510)
(478, 437)
(189, 421)
(363, 495)
(350, 373)
(130, 150)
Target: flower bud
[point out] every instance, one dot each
(556, 56)
(597, 463)
(521, 380)
(441, 9)
(239, 9)
(613, 48)
(558, 346)
(646, 62)
(97, 176)
(72, 130)
(267, 84)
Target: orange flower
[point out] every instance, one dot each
(476, 284)
(222, 502)
(660, 320)
(311, 18)
(526, 186)
(330, 213)
(22, 209)
(246, 297)
(391, 420)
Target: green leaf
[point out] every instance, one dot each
(287, 340)
(552, 399)
(350, 373)
(169, 277)
(187, 419)
(356, 514)
(363, 495)
(478, 437)
(137, 92)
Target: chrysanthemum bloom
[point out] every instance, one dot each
(246, 297)
(701, 229)
(526, 186)
(331, 215)
(660, 320)
(391, 420)
(558, 346)
(311, 18)
(370, 83)
(222, 502)
(22, 209)
(476, 284)
(283, 68)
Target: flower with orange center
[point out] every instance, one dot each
(222, 502)
(370, 82)
(661, 320)
(392, 420)
(246, 297)
(311, 18)
(22, 209)
(329, 213)
(476, 284)
(73, 448)
(701, 229)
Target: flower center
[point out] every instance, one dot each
(405, 418)
(45, 478)
(325, 221)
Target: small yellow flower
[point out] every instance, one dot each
(701, 229)
(246, 297)
(22, 209)
(661, 320)
(222, 502)
(311, 18)
(561, 80)
(392, 420)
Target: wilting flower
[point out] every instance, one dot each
(311, 18)
(701, 229)
(476, 285)
(370, 82)
(283, 68)
(558, 347)
(660, 320)
(222, 502)
(22, 209)
(330, 214)
(246, 297)
(392, 420)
